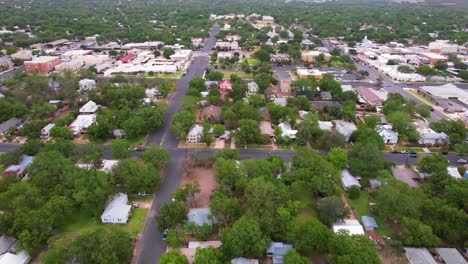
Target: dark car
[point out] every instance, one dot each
(164, 234)
(138, 148)
(412, 152)
(445, 152)
(395, 151)
(414, 155)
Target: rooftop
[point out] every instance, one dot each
(451, 255)
(200, 216)
(419, 256)
(350, 225)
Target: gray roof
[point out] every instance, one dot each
(244, 261)
(118, 132)
(200, 216)
(374, 183)
(451, 255)
(419, 256)
(6, 243)
(369, 222)
(278, 250)
(12, 122)
(349, 180)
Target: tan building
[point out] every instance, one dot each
(42, 65)
(5, 64)
(310, 56)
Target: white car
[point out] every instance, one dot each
(462, 161)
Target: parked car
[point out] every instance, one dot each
(413, 152)
(463, 161)
(395, 151)
(403, 152)
(138, 148)
(413, 155)
(164, 234)
(445, 152)
(143, 194)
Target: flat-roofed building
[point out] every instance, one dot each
(42, 65)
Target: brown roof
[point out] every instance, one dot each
(212, 111)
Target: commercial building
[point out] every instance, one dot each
(42, 65)
(306, 73)
(444, 47)
(181, 55)
(310, 56)
(433, 58)
(69, 65)
(447, 92)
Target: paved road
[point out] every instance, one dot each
(9, 74)
(151, 246)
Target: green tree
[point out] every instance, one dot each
(249, 132)
(167, 52)
(292, 257)
(208, 256)
(345, 249)
(170, 215)
(365, 160)
(155, 156)
(331, 140)
(61, 132)
(120, 149)
(244, 238)
(331, 209)
(433, 164)
(173, 257)
(181, 123)
(441, 65)
(135, 177)
(310, 237)
(418, 234)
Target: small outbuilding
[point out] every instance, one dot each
(348, 180)
(369, 223)
(200, 216)
(117, 210)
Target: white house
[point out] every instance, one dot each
(427, 136)
(87, 85)
(89, 108)
(348, 180)
(325, 125)
(387, 134)
(351, 225)
(287, 131)
(45, 132)
(81, 123)
(117, 210)
(252, 88)
(195, 134)
(345, 128)
(20, 258)
(108, 165)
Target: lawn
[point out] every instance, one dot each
(360, 207)
(252, 61)
(83, 223)
(137, 141)
(420, 97)
(309, 203)
(243, 75)
(415, 149)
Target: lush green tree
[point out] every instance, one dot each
(249, 132)
(208, 256)
(225, 209)
(463, 75)
(214, 75)
(61, 132)
(310, 237)
(244, 238)
(354, 192)
(155, 156)
(229, 175)
(175, 237)
(152, 116)
(292, 257)
(418, 234)
(87, 152)
(120, 149)
(433, 164)
(345, 249)
(173, 257)
(134, 177)
(181, 123)
(331, 140)
(331, 209)
(171, 214)
(441, 65)
(167, 52)
(365, 160)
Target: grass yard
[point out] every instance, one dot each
(252, 61)
(83, 223)
(415, 149)
(309, 202)
(137, 141)
(243, 75)
(360, 207)
(420, 97)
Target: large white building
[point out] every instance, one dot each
(89, 108)
(87, 85)
(81, 123)
(195, 134)
(353, 227)
(181, 55)
(444, 47)
(117, 210)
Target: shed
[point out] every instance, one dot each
(348, 180)
(419, 256)
(369, 223)
(12, 122)
(119, 133)
(451, 255)
(200, 216)
(20, 258)
(244, 261)
(45, 132)
(277, 250)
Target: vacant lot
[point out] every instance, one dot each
(205, 178)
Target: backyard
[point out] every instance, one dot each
(241, 74)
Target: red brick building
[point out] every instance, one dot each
(42, 65)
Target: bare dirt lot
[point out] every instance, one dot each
(205, 178)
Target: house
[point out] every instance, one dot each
(7, 244)
(81, 123)
(280, 101)
(224, 55)
(225, 85)
(86, 85)
(307, 42)
(369, 223)
(345, 128)
(370, 96)
(387, 134)
(268, 19)
(210, 84)
(227, 45)
(117, 210)
(252, 88)
(311, 56)
(427, 136)
(280, 58)
(266, 129)
(119, 133)
(277, 250)
(419, 256)
(325, 125)
(303, 114)
(89, 108)
(45, 132)
(326, 95)
(287, 131)
(451, 255)
(20, 258)
(285, 86)
(5, 64)
(108, 165)
(190, 251)
(195, 134)
(348, 180)
(42, 65)
(181, 55)
(352, 226)
(19, 169)
(200, 216)
(244, 261)
(453, 171)
(211, 113)
(9, 124)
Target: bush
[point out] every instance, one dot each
(354, 193)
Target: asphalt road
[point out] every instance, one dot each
(151, 246)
